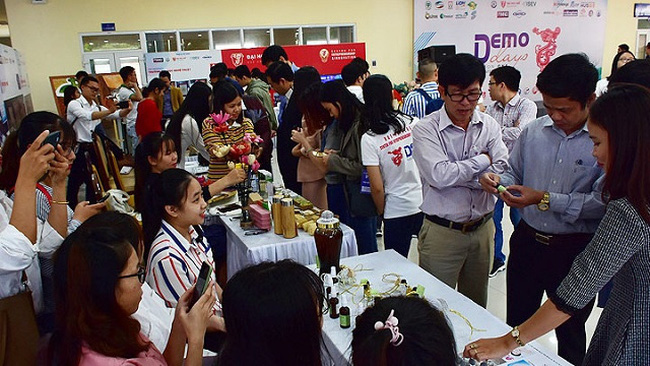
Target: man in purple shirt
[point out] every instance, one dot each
(555, 182)
(452, 148)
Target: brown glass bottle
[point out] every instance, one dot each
(328, 237)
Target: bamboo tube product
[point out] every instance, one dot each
(289, 229)
(277, 216)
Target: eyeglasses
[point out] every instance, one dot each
(141, 275)
(92, 88)
(458, 97)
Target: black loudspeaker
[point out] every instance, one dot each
(437, 54)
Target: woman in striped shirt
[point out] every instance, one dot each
(226, 99)
(175, 210)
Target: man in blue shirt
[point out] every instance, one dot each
(556, 183)
(415, 103)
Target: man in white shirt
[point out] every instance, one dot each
(513, 113)
(353, 76)
(129, 90)
(84, 114)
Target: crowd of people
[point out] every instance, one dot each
(99, 288)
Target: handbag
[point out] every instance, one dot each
(18, 329)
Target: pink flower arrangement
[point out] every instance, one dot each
(220, 122)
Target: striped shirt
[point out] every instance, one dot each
(516, 114)
(219, 166)
(415, 105)
(173, 265)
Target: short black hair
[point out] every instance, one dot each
(351, 72)
(279, 70)
(165, 74)
(624, 47)
(461, 69)
(219, 71)
(273, 54)
(241, 71)
(257, 73)
(80, 74)
(362, 63)
(126, 71)
(507, 75)
(570, 76)
(87, 80)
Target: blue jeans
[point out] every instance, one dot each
(515, 216)
(337, 203)
(365, 230)
(399, 231)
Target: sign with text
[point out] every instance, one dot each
(524, 34)
(189, 65)
(328, 59)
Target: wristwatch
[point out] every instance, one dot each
(515, 334)
(544, 204)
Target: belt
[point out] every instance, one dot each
(556, 239)
(464, 227)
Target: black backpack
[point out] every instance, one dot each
(432, 104)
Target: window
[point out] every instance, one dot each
(257, 38)
(286, 36)
(343, 34)
(316, 35)
(225, 39)
(192, 41)
(161, 42)
(111, 42)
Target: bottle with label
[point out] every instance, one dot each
(344, 314)
(328, 237)
(255, 182)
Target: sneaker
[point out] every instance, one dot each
(497, 267)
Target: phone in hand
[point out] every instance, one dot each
(202, 282)
(103, 199)
(53, 139)
(123, 104)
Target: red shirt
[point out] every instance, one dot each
(148, 120)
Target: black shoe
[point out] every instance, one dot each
(497, 266)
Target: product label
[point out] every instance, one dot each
(344, 321)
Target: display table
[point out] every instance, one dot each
(245, 250)
(375, 265)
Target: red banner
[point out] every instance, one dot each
(328, 59)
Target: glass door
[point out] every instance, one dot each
(133, 59)
(99, 62)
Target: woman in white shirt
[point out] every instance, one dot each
(184, 128)
(22, 240)
(387, 154)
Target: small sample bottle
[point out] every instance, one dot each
(335, 279)
(344, 318)
(334, 302)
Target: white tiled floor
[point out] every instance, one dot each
(497, 291)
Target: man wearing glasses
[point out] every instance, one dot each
(84, 114)
(452, 148)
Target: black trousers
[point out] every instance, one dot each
(533, 268)
(79, 174)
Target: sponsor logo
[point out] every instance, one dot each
(473, 15)
(450, 5)
(237, 58)
(460, 4)
(493, 4)
(598, 13)
(427, 5)
(503, 4)
(519, 13)
(430, 16)
(324, 54)
(472, 5)
(446, 16)
(570, 12)
(583, 12)
(158, 59)
(530, 4)
(557, 4)
(206, 56)
(549, 12)
(503, 14)
(591, 13)
(194, 58)
(510, 4)
(461, 15)
(439, 4)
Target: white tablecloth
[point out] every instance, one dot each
(245, 250)
(375, 265)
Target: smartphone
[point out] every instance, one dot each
(123, 105)
(202, 282)
(52, 139)
(103, 199)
